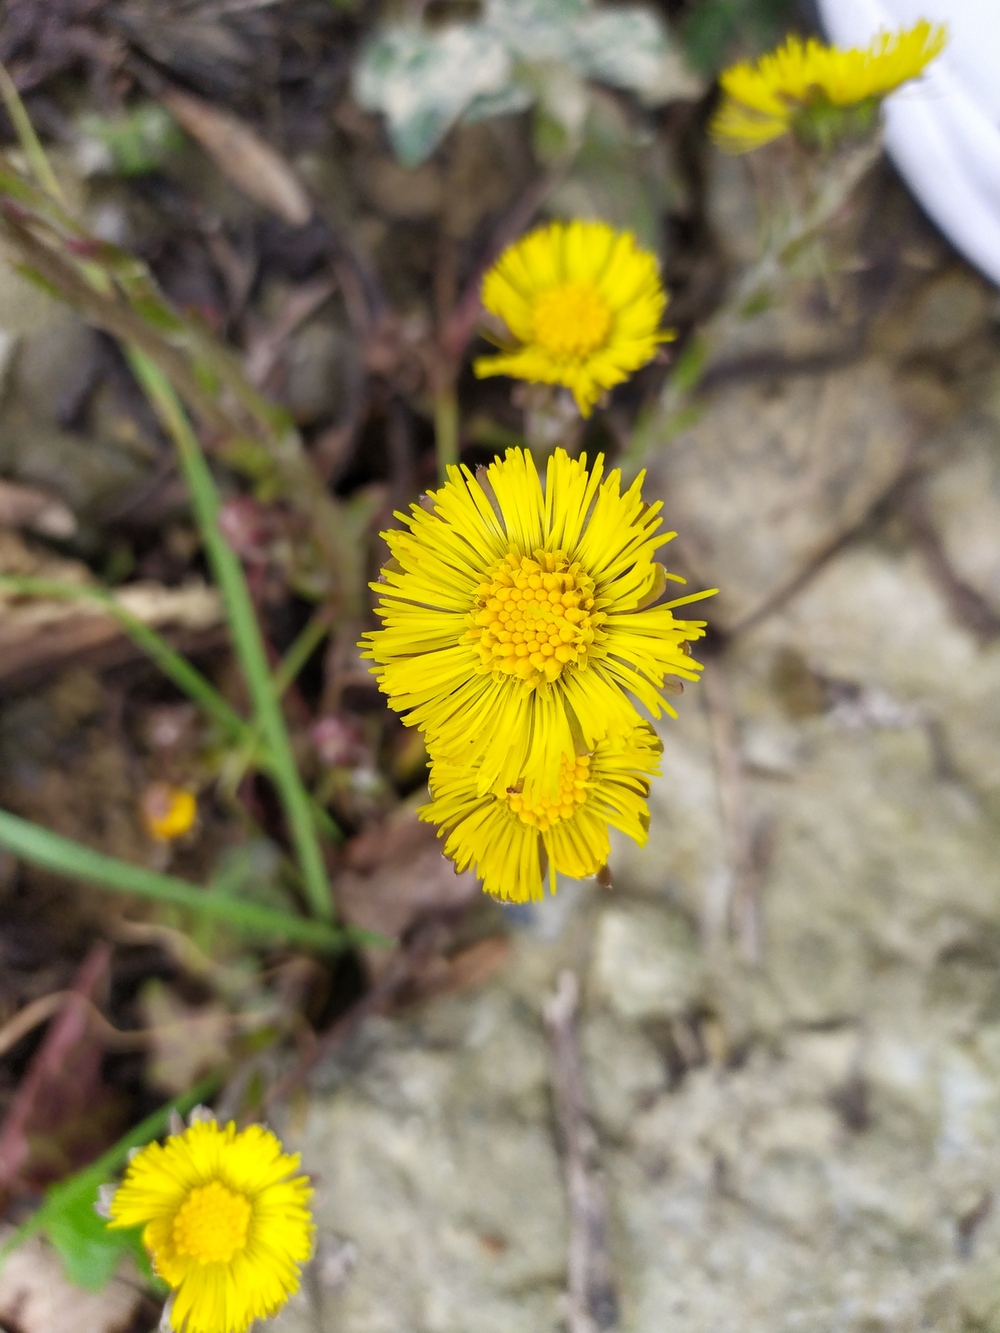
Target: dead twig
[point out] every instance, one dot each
(113, 1039)
(740, 908)
(969, 607)
(592, 1302)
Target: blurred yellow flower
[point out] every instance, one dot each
(512, 839)
(517, 622)
(802, 86)
(225, 1220)
(168, 812)
(582, 304)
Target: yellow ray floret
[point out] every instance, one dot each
(226, 1222)
(582, 304)
(766, 99)
(510, 839)
(518, 624)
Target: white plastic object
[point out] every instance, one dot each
(943, 130)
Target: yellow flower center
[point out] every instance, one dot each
(546, 811)
(168, 812)
(535, 617)
(572, 320)
(212, 1223)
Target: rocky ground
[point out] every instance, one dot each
(790, 1021)
(790, 1014)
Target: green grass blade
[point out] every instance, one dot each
(246, 634)
(53, 852)
(31, 146)
(303, 647)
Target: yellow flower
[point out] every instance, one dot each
(801, 86)
(517, 622)
(582, 303)
(167, 812)
(226, 1223)
(511, 839)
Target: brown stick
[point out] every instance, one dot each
(593, 1304)
(742, 908)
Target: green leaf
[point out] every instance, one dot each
(140, 141)
(717, 26)
(89, 1250)
(630, 48)
(422, 81)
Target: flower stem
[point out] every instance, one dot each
(754, 290)
(446, 429)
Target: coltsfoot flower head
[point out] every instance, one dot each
(518, 624)
(582, 304)
(168, 812)
(511, 839)
(226, 1222)
(819, 92)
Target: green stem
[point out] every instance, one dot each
(300, 651)
(51, 851)
(245, 631)
(446, 429)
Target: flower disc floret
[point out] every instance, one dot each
(212, 1223)
(225, 1220)
(544, 812)
(520, 626)
(581, 304)
(536, 617)
(513, 840)
(802, 85)
(571, 320)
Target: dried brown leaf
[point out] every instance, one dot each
(25, 507)
(253, 166)
(186, 1041)
(62, 1115)
(36, 1296)
(38, 635)
(396, 874)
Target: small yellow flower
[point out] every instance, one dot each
(803, 85)
(168, 812)
(511, 839)
(517, 622)
(582, 303)
(226, 1223)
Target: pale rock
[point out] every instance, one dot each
(773, 474)
(949, 310)
(624, 1071)
(646, 963)
(686, 846)
(963, 500)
